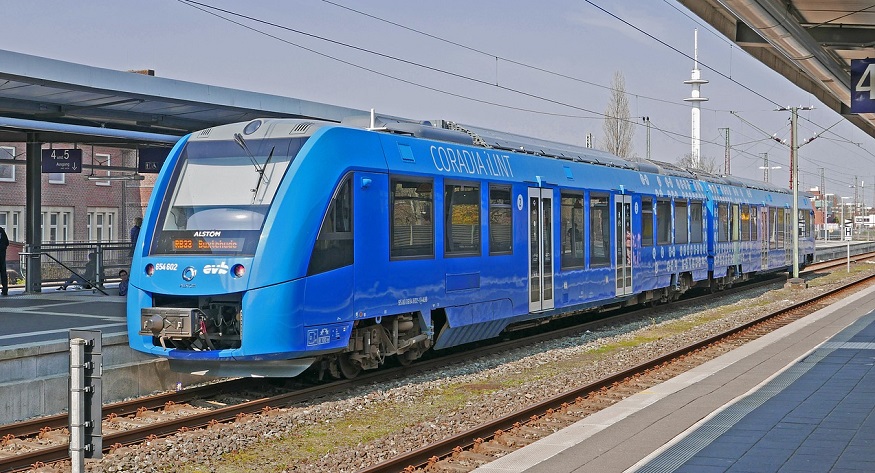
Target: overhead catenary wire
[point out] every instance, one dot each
(499, 56)
(206, 8)
(706, 66)
(593, 114)
(197, 5)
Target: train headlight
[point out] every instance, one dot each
(238, 270)
(150, 269)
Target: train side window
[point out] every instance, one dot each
(663, 222)
(696, 223)
(722, 222)
(735, 223)
(681, 225)
(754, 225)
(412, 230)
(647, 221)
(462, 217)
(599, 230)
(773, 228)
(780, 225)
(745, 223)
(810, 224)
(334, 244)
(500, 221)
(805, 223)
(571, 221)
(786, 236)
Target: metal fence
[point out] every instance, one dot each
(59, 260)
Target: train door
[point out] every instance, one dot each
(764, 237)
(623, 234)
(540, 249)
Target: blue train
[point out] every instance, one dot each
(275, 245)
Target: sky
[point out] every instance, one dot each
(540, 69)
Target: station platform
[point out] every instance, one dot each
(800, 399)
(34, 351)
(47, 317)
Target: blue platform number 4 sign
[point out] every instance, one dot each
(862, 85)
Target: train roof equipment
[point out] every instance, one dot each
(452, 132)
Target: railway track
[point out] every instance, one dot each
(134, 421)
(467, 450)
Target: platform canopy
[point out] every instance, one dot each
(810, 42)
(59, 99)
(50, 101)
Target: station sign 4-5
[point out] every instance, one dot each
(862, 86)
(62, 160)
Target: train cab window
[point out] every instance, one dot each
(745, 223)
(412, 231)
(734, 223)
(462, 217)
(334, 244)
(663, 222)
(722, 222)
(647, 221)
(681, 222)
(599, 230)
(500, 221)
(696, 223)
(571, 221)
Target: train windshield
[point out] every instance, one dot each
(220, 193)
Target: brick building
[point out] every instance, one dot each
(75, 207)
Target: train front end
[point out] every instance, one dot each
(203, 291)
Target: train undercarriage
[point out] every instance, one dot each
(216, 323)
(374, 341)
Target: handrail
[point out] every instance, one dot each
(61, 259)
(95, 284)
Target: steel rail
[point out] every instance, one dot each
(420, 457)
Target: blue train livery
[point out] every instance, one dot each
(275, 245)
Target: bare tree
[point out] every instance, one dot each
(706, 164)
(618, 127)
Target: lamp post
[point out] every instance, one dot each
(766, 168)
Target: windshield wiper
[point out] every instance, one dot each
(238, 138)
(261, 177)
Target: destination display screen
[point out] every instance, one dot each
(208, 244)
(239, 242)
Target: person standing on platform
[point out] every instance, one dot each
(4, 278)
(123, 283)
(135, 233)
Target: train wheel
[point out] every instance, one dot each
(403, 360)
(348, 367)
